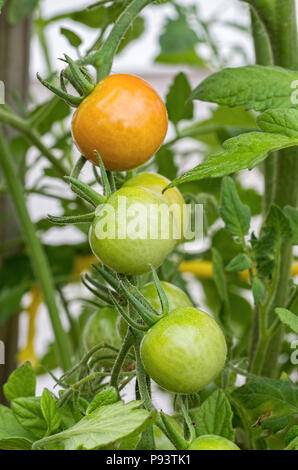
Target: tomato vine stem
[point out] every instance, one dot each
(39, 260)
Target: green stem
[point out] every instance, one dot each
(38, 257)
(283, 35)
(103, 59)
(120, 359)
(23, 127)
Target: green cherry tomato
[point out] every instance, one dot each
(184, 351)
(176, 297)
(101, 328)
(134, 229)
(212, 442)
(173, 197)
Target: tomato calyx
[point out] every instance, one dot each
(80, 79)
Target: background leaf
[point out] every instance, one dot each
(289, 318)
(214, 416)
(177, 96)
(21, 383)
(18, 11)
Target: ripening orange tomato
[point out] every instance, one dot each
(124, 119)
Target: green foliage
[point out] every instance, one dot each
(235, 214)
(289, 318)
(73, 39)
(214, 416)
(21, 383)
(104, 426)
(176, 104)
(254, 86)
(12, 435)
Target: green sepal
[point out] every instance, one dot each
(175, 437)
(85, 191)
(126, 317)
(78, 78)
(75, 219)
(147, 315)
(161, 292)
(74, 101)
(104, 177)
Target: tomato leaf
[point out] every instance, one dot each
(177, 43)
(73, 39)
(18, 11)
(278, 221)
(102, 427)
(292, 215)
(239, 263)
(106, 397)
(49, 410)
(243, 151)
(21, 383)
(234, 213)
(176, 104)
(12, 435)
(258, 397)
(254, 86)
(258, 290)
(214, 416)
(288, 318)
(164, 160)
(28, 412)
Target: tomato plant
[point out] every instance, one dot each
(144, 319)
(124, 119)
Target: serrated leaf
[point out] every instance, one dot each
(177, 43)
(280, 121)
(104, 398)
(293, 444)
(239, 263)
(291, 434)
(214, 416)
(28, 413)
(243, 151)
(49, 410)
(12, 435)
(234, 213)
(292, 215)
(258, 290)
(101, 428)
(18, 11)
(254, 86)
(218, 274)
(263, 395)
(73, 39)
(288, 318)
(21, 383)
(278, 221)
(176, 104)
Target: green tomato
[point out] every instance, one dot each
(173, 197)
(184, 351)
(101, 328)
(176, 297)
(134, 229)
(212, 442)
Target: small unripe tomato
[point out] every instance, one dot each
(184, 351)
(173, 197)
(134, 229)
(212, 442)
(124, 119)
(176, 298)
(101, 328)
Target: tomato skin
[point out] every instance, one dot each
(99, 328)
(212, 442)
(124, 119)
(173, 197)
(184, 351)
(176, 298)
(129, 255)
